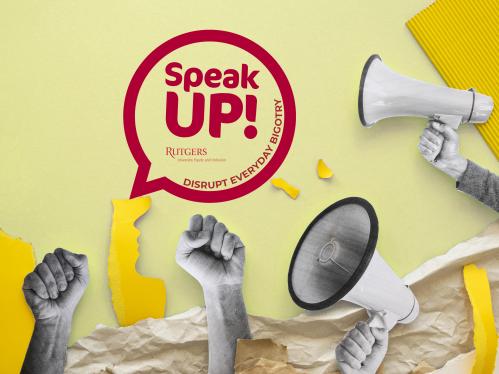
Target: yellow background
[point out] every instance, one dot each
(64, 70)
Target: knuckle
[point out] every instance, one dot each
(355, 334)
(340, 352)
(28, 279)
(84, 258)
(41, 267)
(348, 343)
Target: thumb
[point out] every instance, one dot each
(239, 252)
(447, 132)
(191, 240)
(74, 259)
(379, 348)
(78, 262)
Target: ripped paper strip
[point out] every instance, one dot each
(443, 330)
(16, 319)
(290, 190)
(134, 296)
(460, 37)
(485, 336)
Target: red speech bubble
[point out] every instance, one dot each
(142, 185)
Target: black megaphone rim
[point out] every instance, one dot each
(361, 268)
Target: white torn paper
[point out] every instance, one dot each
(442, 331)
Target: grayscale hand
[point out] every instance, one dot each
(53, 291)
(215, 258)
(439, 145)
(362, 350)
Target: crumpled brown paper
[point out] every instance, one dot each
(262, 356)
(442, 331)
(462, 364)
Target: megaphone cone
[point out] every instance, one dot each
(336, 259)
(383, 93)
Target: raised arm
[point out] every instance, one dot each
(53, 291)
(215, 258)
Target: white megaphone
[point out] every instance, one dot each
(336, 259)
(384, 93)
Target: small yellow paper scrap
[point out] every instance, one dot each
(280, 183)
(323, 170)
(485, 336)
(16, 319)
(134, 296)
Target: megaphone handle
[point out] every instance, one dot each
(448, 120)
(444, 120)
(436, 154)
(382, 319)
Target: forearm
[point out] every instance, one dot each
(227, 322)
(481, 184)
(47, 348)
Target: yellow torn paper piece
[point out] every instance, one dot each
(16, 319)
(461, 39)
(280, 183)
(323, 170)
(485, 336)
(134, 296)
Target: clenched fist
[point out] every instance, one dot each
(56, 285)
(210, 253)
(439, 145)
(362, 350)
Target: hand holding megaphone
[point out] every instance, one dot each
(439, 145)
(362, 350)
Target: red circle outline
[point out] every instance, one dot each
(141, 185)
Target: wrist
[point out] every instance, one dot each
(221, 291)
(456, 167)
(47, 349)
(57, 324)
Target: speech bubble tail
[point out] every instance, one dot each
(139, 187)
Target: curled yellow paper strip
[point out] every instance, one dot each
(280, 183)
(485, 336)
(134, 296)
(323, 171)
